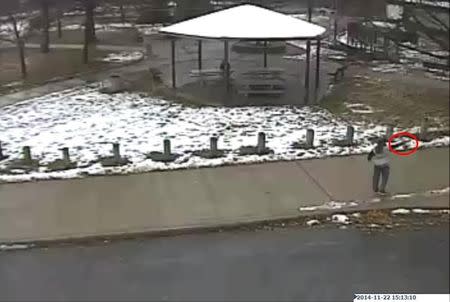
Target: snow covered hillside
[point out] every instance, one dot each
(88, 121)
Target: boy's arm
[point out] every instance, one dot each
(371, 154)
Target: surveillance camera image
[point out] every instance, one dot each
(224, 150)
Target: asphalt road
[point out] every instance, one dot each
(292, 264)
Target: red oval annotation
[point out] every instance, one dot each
(401, 134)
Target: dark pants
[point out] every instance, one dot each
(384, 172)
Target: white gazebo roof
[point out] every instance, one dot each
(245, 22)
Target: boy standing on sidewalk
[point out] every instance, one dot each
(380, 158)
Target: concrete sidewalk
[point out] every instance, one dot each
(203, 197)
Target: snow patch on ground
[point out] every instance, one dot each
(123, 57)
(373, 225)
(389, 68)
(383, 24)
(67, 27)
(438, 76)
(421, 211)
(312, 222)
(88, 121)
(73, 13)
(332, 205)
(360, 108)
(340, 218)
(401, 196)
(324, 52)
(145, 29)
(400, 211)
(441, 141)
(438, 192)
(375, 200)
(12, 247)
(148, 29)
(13, 84)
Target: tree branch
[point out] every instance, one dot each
(13, 21)
(440, 37)
(436, 19)
(423, 51)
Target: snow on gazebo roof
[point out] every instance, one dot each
(245, 22)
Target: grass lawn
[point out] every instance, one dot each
(401, 99)
(43, 67)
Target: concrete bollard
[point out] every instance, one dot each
(389, 131)
(424, 128)
(116, 151)
(213, 144)
(350, 135)
(167, 150)
(261, 142)
(26, 151)
(65, 155)
(310, 138)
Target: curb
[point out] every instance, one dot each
(297, 220)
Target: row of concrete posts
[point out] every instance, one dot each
(212, 151)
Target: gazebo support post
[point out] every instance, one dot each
(227, 64)
(174, 75)
(318, 65)
(265, 54)
(308, 58)
(199, 54)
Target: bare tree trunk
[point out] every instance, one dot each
(58, 20)
(23, 65)
(45, 47)
(122, 14)
(423, 51)
(20, 45)
(335, 21)
(86, 44)
(90, 22)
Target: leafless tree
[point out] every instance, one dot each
(45, 24)
(431, 25)
(86, 43)
(122, 12)
(430, 21)
(89, 7)
(59, 15)
(16, 32)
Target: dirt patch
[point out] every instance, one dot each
(376, 217)
(44, 67)
(402, 99)
(150, 82)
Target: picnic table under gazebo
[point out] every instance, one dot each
(247, 23)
